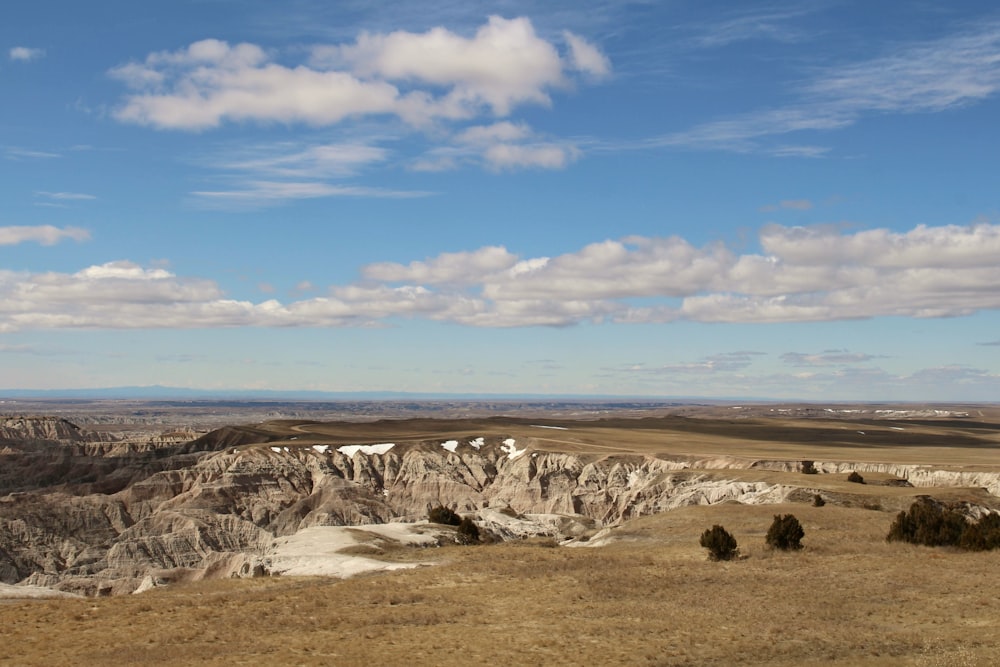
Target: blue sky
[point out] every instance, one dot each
(678, 198)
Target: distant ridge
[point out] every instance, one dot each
(158, 392)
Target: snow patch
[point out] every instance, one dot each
(554, 428)
(477, 443)
(321, 448)
(276, 450)
(509, 447)
(351, 450)
(450, 445)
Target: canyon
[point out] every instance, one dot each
(98, 512)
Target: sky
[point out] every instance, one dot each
(787, 200)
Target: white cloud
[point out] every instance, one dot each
(14, 153)
(456, 268)
(505, 64)
(43, 234)
(518, 156)
(788, 204)
(65, 196)
(490, 134)
(25, 53)
(826, 358)
(586, 57)
(806, 274)
(418, 77)
(255, 193)
(297, 161)
(932, 76)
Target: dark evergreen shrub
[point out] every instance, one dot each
(720, 543)
(468, 532)
(929, 523)
(856, 478)
(443, 515)
(808, 468)
(983, 535)
(785, 533)
(818, 500)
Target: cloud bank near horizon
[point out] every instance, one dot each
(803, 274)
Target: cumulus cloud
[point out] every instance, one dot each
(25, 53)
(926, 272)
(456, 268)
(43, 234)
(418, 77)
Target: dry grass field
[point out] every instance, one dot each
(649, 597)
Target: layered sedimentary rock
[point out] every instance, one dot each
(90, 515)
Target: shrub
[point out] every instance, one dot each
(818, 500)
(468, 531)
(808, 468)
(720, 543)
(983, 535)
(855, 477)
(929, 523)
(443, 515)
(785, 533)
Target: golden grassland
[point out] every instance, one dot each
(650, 598)
(943, 443)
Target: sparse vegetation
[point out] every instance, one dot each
(932, 524)
(720, 543)
(927, 522)
(785, 533)
(855, 477)
(818, 500)
(983, 535)
(444, 516)
(468, 532)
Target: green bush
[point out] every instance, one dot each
(818, 500)
(856, 478)
(785, 533)
(468, 531)
(443, 515)
(720, 543)
(929, 523)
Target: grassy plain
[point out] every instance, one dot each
(650, 597)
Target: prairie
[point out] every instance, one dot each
(647, 596)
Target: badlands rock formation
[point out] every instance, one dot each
(86, 513)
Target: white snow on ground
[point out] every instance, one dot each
(316, 550)
(896, 428)
(450, 445)
(276, 450)
(321, 448)
(351, 450)
(509, 447)
(555, 428)
(9, 591)
(477, 443)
